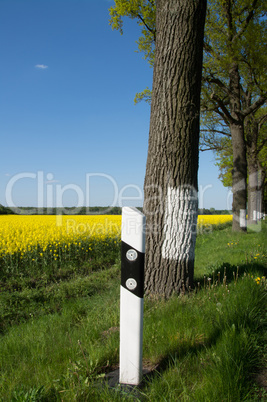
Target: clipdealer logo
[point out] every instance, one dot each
(50, 193)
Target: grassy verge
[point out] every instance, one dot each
(223, 248)
(60, 334)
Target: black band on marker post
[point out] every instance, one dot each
(132, 268)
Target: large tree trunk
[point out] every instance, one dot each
(172, 164)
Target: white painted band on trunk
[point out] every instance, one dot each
(260, 215)
(243, 219)
(133, 228)
(180, 222)
(131, 337)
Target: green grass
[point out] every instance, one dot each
(223, 248)
(60, 334)
(85, 253)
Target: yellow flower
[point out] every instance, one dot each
(24, 233)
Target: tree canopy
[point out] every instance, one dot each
(235, 32)
(144, 11)
(234, 73)
(234, 91)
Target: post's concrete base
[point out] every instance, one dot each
(112, 379)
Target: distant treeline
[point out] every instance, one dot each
(87, 211)
(61, 211)
(5, 210)
(213, 211)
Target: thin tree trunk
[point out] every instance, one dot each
(255, 170)
(171, 174)
(253, 193)
(254, 200)
(239, 173)
(263, 193)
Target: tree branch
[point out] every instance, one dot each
(217, 81)
(208, 149)
(225, 113)
(147, 27)
(211, 130)
(226, 121)
(253, 108)
(209, 49)
(262, 120)
(252, 73)
(229, 17)
(261, 146)
(247, 21)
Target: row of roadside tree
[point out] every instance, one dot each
(233, 95)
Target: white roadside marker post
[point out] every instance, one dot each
(131, 296)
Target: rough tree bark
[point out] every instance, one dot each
(239, 173)
(170, 187)
(253, 170)
(256, 172)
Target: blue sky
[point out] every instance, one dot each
(70, 132)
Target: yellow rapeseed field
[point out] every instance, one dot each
(22, 233)
(41, 241)
(211, 220)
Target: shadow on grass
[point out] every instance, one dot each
(178, 353)
(228, 272)
(231, 318)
